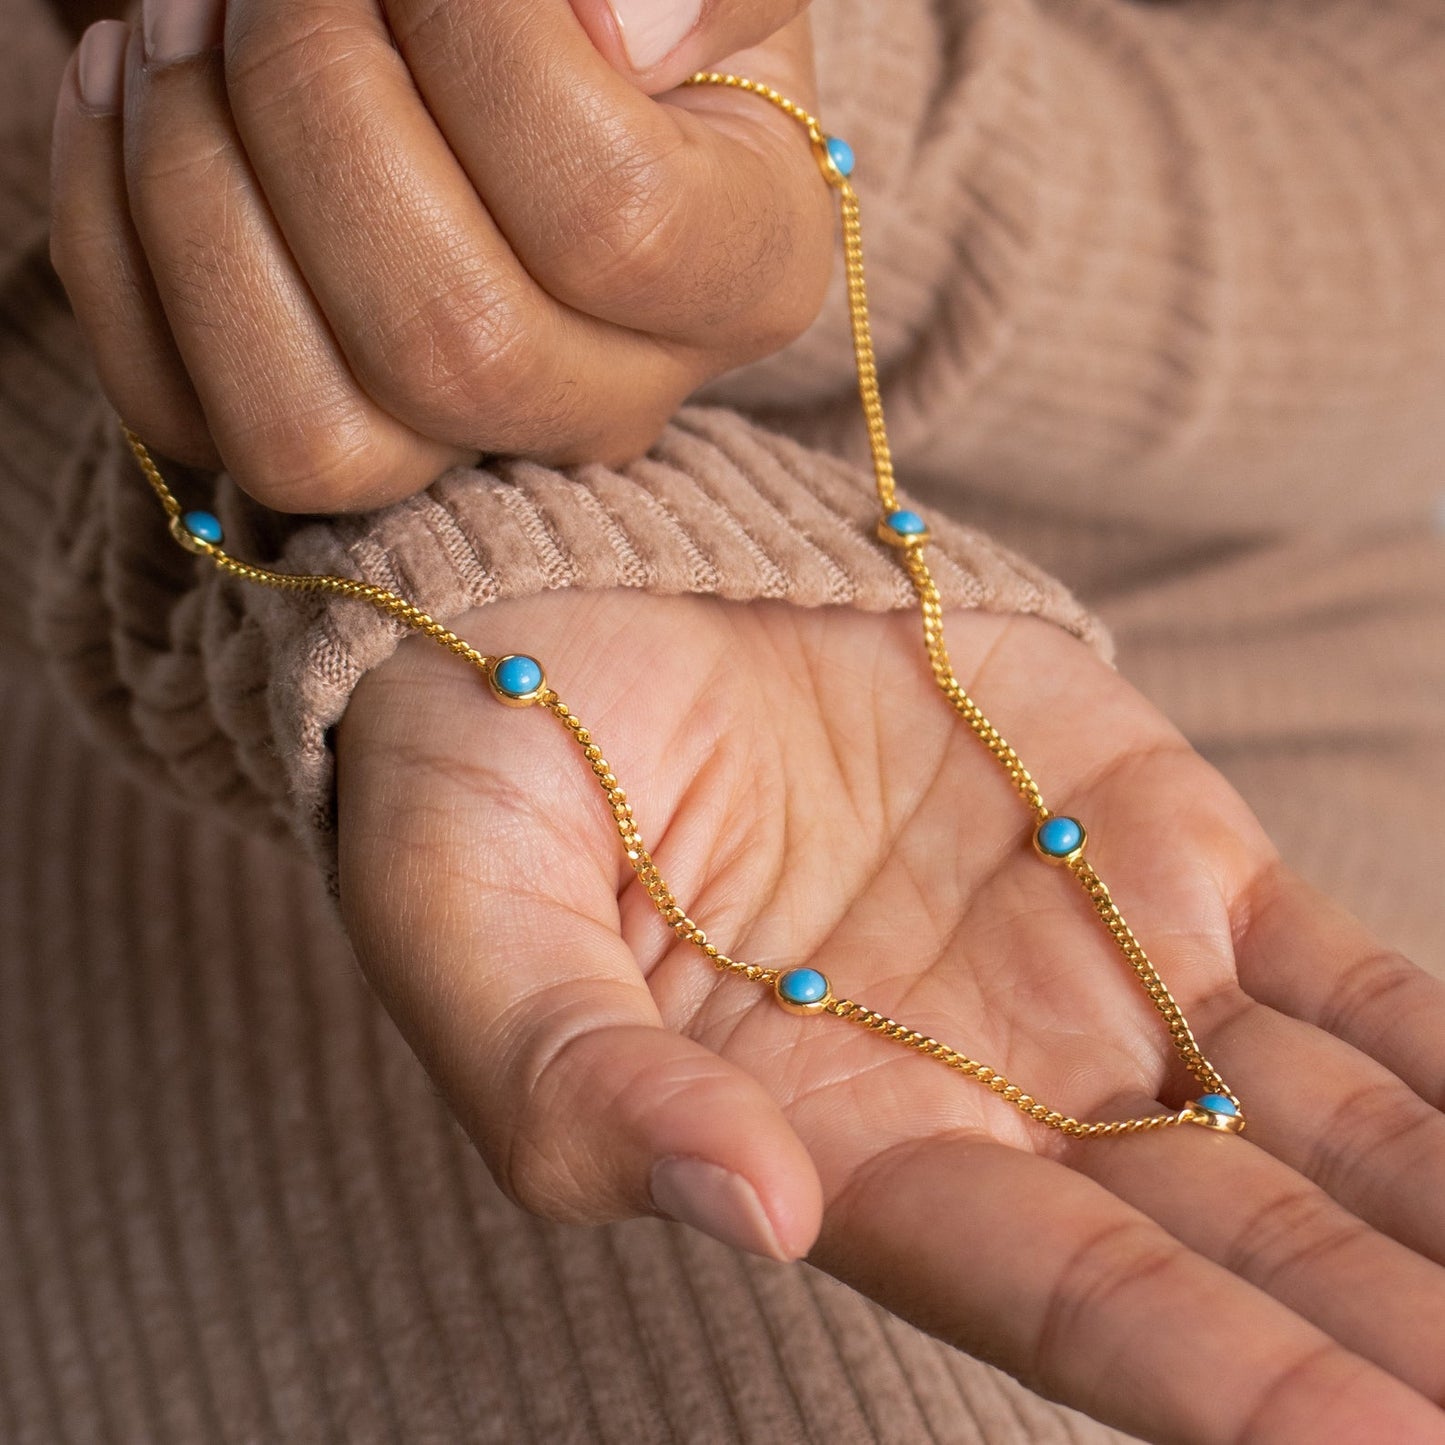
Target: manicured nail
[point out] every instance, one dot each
(716, 1201)
(653, 29)
(177, 29)
(100, 66)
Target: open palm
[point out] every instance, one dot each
(811, 799)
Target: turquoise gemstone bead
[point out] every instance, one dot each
(1217, 1104)
(803, 986)
(1058, 837)
(841, 154)
(518, 676)
(204, 527)
(907, 524)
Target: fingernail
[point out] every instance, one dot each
(100, 66)
(716, 1201)
(177, 29)
(653, 29)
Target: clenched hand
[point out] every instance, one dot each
(339, 246)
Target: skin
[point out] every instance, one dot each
(808, 793)
(525, 254)
(812, 799)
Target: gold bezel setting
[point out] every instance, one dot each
(188, 539)
(903, 540)
(804, 1007)
(1206, 1118)
(1060, 860)
(512, 698)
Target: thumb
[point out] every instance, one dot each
(661, 42)
(485, 917)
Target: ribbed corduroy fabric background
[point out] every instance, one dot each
(1160, 289)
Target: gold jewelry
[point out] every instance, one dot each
(518, 681)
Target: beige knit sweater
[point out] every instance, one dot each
(1160, 292)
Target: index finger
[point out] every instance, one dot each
(1043, 1272)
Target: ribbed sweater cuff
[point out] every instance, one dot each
(229, 691)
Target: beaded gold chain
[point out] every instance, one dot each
(518, 680)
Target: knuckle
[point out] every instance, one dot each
(1293, 1229)
(311, 461)
(1103, 1269)
(163, 164)
(471, 366)
(624, 232)
(461, 361)
(1364, 1135)
(292, 56)
(425, 22)
(585, 1088)
(653, 236)
(1311, 1374)
(543, 1164)
(538, 1178)
(639, 241)
(1370, 986)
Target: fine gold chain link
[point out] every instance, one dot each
(931, 606)
(864, 357)
(1223, 1114)
(640, 858)
(381, 598)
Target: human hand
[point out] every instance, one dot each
(811, 798)
(376, 239)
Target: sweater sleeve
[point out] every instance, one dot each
(1176, 264)
(228, 691)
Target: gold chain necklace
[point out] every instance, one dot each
(519, 681)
